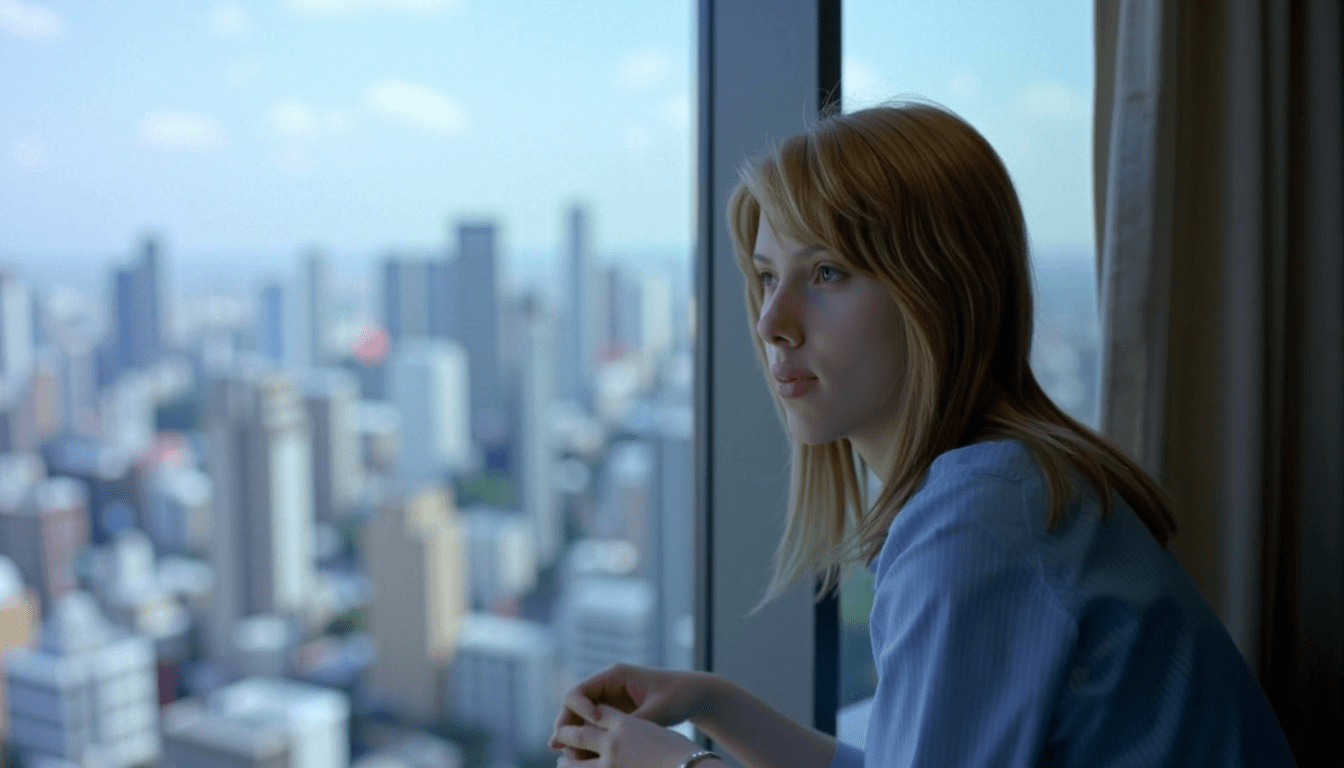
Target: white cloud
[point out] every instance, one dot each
(347, 8)
(1052, 100)
(416, 104)
(29, 155)
(643, 70)
(860, 84)
(31, 20)
(676, 111)
(230, 21)
(179, 129)
(297, 119)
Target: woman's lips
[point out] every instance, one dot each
(796, 387)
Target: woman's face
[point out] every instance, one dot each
(833, 339)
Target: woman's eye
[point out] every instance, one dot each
(765, 278)
(828, 274)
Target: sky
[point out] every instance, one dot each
(254, 131)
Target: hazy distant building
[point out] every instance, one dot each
(625, 494)
(671, 549)
(406, 298)
(19, 615)
(332, 399)
(88, 694)
(79, 387)
(502, 556)
(624, 311)
(415, 553)
(428, 384)
(177, 513)
(478, 322)
(16, 329)
(537, 453)
(138, 309)
(578, 342)
(317, 306)
(263, 531)
(504, 679)
(604, 620)
(109, 478)
(259, 723)
(43, 527)
(271, 323)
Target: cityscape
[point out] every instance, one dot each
(295, 537)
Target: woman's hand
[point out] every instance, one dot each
(660, 696)
(619, 740)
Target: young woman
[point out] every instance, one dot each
(1026, 611)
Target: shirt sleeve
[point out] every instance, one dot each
(847, 756)
(970, 643)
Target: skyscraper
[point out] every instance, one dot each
(262, 545)
(504, 680)
(415, 552)
(478, 323)
(137, 309)
(271, 322)
(406, 304)
(537, 450)
(16, 330)
(44, 524)
(331, 399)
(317, 303)
(577, 345)
(428, 384)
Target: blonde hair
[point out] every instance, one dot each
(914, 197)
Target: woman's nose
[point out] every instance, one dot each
(779, 322)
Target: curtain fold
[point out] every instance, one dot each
(1219, 182)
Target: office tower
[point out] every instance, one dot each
(271, 323)
(502, 556)
(536, 350)
(478, 324)
(18, 623)
(503, 679)
(44, 524)
(259, 723)
(79, 387)
(44, 395)
(428, 382)
(109, 475)
(406, 298)
(577, 343)
(87, 694)
(332, 397)
(625, 494)
(443, 302)
(623, 316)
(671, 551)
(379, 425)
(604, 620)
(127, 409)
(137, 310)
(16, 330)
(259, 462)
(656, 326)
(317, 303)
(415, 553)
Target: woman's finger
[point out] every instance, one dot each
(580, 737)
(581, 705)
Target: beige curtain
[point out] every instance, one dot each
(1219, 190)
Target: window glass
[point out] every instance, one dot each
(1022, 74)
(364, 327)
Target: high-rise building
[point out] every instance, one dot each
(502, 556)
(406, 305)
(332, 398)
(504, 679)
(415, 553)
(317, 303)
(623, 319)
(18, 622)
(108, 474)
(138, 309)
(271, 322)
(428, 382)
(259, 462)
(670, 525)
(16, 330)
(604, 620)
(478, 324)
(578, 341)
(88, 694)
(44, 524)
(537, 454)
(625, 494)
(259, 723)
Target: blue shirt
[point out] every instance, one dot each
(999, 643)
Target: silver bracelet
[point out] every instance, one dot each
(698, 756)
